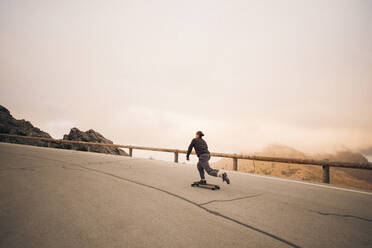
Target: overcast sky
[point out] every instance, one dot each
(247, 73)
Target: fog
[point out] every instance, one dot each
(246, 73)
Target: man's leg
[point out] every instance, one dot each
(203, 160)
(201, 171)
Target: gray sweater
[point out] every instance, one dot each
(200, 146)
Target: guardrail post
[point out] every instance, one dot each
(130, 152)
(235, 164)
(89, 148)
(326, 174)
(49, 144)
(176, 157)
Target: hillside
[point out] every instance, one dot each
(340, 176)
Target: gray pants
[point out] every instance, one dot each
(203, 164)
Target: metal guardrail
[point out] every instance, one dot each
(326, 164)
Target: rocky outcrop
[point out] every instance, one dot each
(90, 136)
(9, 125)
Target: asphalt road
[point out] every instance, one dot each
(63, 198)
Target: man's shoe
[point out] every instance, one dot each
(203, 181)
(225, 178)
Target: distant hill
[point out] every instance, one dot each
(9, 125)
(346, 156)
(341, 176)
(275, 150)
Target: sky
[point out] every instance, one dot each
(152, 73)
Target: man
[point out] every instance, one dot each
(201, 149)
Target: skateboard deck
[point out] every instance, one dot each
(206, 185)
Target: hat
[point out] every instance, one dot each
(200, 133)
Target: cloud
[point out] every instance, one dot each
(246, 73)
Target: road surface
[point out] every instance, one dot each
(62, 198)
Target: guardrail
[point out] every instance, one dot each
(326, 164)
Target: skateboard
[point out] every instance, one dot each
(205, 185)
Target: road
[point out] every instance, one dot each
(62, 198)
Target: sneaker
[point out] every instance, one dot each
(225, 178)
(203, 181)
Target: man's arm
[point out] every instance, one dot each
(190, 149)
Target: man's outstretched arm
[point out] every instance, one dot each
(190, 149)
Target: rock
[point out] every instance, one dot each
(90, 136)
(9, 125)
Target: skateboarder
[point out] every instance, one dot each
(201, 149)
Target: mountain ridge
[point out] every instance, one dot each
(283, 151)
